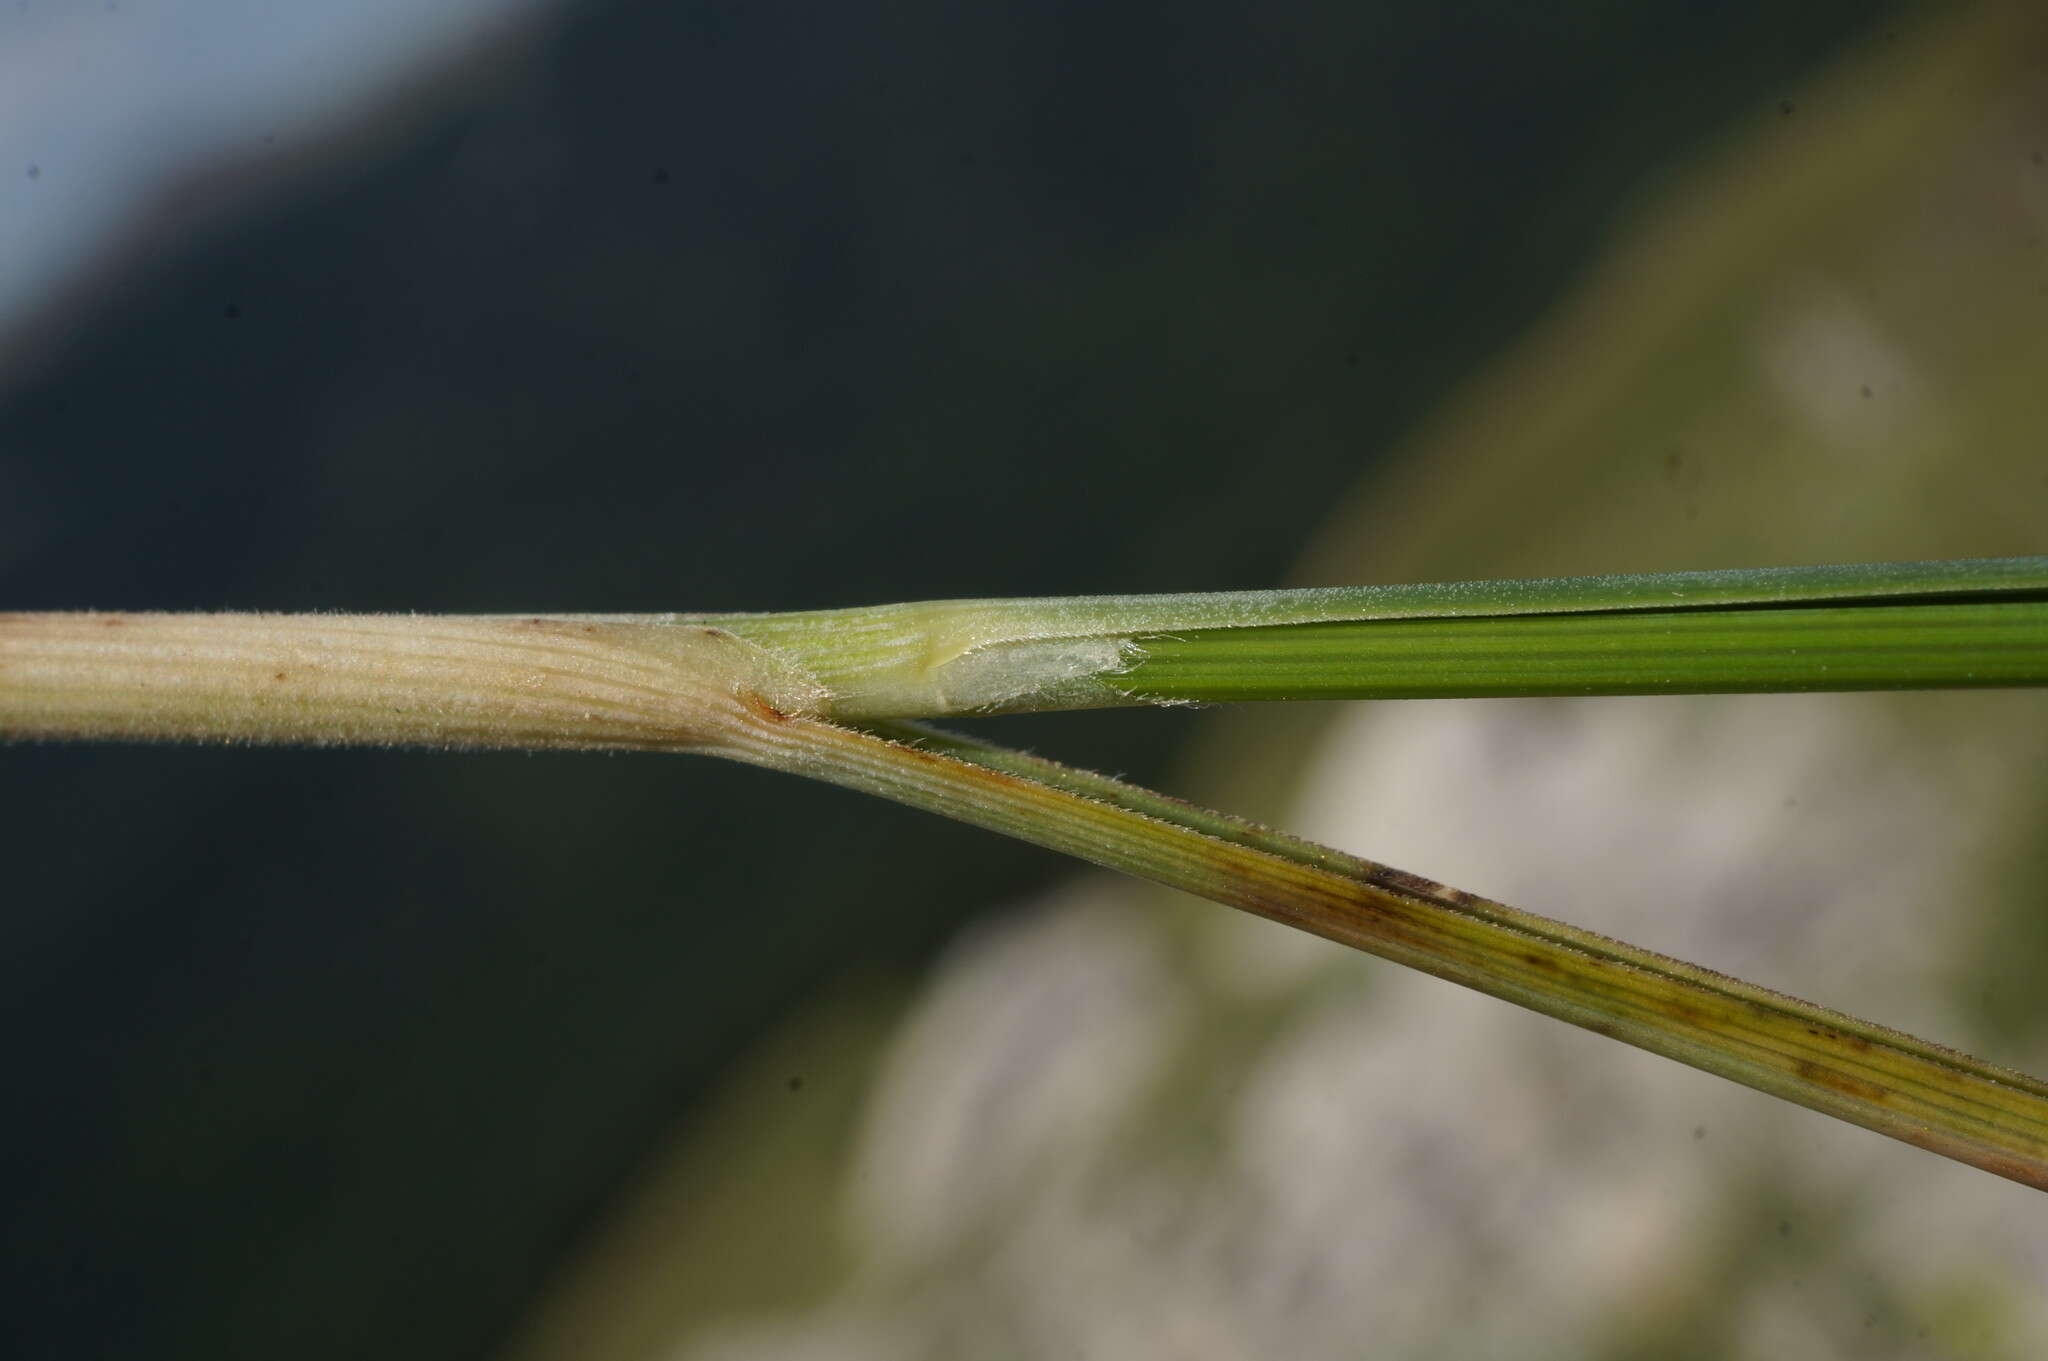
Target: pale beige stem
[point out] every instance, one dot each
(475, 681)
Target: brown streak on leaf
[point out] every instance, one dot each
(1401, 881)
(1820, 1075)
(1685, 1013)
(1353, 918)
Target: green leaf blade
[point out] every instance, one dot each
(1712, 650)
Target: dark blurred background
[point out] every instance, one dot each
(696, 306)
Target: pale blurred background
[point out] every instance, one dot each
(466, 306)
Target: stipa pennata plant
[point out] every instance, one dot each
(839, 696)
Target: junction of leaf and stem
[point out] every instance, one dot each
(826, 695)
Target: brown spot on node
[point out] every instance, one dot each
(278, 676)
(112, 621)
(762, 708)
(1536, 959)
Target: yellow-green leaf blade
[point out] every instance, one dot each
(1908, 1088)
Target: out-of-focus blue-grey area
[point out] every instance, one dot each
(106, 107)
(661, 306)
